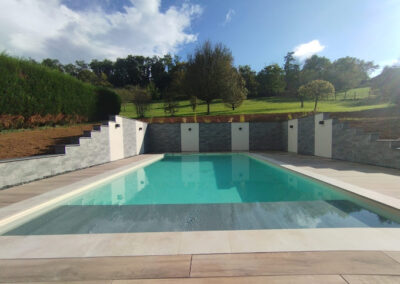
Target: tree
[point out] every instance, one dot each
(234, 96)
(141, 100)
(388, 84)
(171, 104)
(153, 91)
(193, 102)
(102, 67)
(126, 94)
(317, 89)
(292, 73)
(349, 72)
(209, 72)
(88, 76)
(53, 64)
(250, 79)
(271, 80)
(315, 68)
(159, 75)
(71, 70)
(81, 65)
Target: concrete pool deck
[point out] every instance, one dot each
(351, 244)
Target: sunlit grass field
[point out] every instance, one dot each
(356, 100)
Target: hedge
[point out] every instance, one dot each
(28, 89)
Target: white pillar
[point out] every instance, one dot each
(323, 136)
(293, 129)
(190, 137)
(116, 139)
(140, 132)
(240, 136)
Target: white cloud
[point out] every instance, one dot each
(47, 28)
(306, 50)
(229, 16)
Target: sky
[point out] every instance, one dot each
(258, 32)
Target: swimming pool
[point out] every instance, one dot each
(194, 192)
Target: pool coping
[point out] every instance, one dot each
(363, 192)
(194, 242)
(16, 211)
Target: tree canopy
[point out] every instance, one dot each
(388, 83)
(236, 93)
(271, 80)
(209, 72)
(250, 78)
(317, 89)
(292, 73)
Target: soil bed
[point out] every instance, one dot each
(39, 141)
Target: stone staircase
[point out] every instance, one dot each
(82, 140)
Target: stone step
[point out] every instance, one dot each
(99, 126)
(87, 133)
(61, 148)
(395, 144)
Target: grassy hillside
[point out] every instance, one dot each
(356, 99)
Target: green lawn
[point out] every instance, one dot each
(270, 105)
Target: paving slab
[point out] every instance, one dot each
(80, 269)
(337, 262)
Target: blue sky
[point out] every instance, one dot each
(262, 32)
(259, 32)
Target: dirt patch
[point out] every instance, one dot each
(37, 141)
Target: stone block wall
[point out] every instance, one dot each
(354, 145)
(132, 137)
(285, 141)
(163, 138)
(266, 136)
(306, 132)
(92, 149)
(215, 137)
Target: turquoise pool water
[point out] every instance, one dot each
(208, 192)
(196, 179)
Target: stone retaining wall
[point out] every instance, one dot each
(90, 150)
(122, 138)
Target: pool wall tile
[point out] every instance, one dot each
(215, 137)
(306, 132)
(266, 136)
(163, 138)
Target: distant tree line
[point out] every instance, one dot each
(209, 74)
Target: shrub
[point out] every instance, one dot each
(108, 103)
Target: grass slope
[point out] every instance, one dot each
(356, 100)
